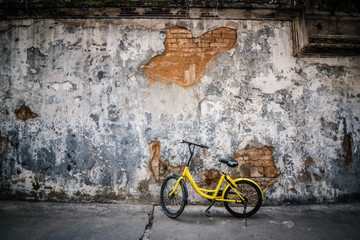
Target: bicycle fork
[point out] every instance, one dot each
(173, 193)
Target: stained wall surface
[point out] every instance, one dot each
(88, 114)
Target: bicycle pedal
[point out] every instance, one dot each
(207, 212)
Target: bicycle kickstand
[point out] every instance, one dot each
(207, 211)
(245, 206)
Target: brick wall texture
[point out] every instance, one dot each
(185, 57)
(258, 165)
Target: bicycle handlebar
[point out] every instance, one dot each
(195, 144)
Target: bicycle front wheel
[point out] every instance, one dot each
(173, 205)
(247, 190)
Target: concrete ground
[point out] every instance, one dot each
(25, 220)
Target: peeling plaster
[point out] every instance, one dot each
(24, 113)
(96, 111)
(185, 58)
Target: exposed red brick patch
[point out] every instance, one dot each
(258, 165)
(245, 169)
(185, 57)
(159, 169)
(24, 113)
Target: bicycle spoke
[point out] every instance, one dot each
(173, 205)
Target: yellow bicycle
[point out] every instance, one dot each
(242, 197)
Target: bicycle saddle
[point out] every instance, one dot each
(230, 162)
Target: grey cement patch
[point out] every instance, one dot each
(26, 220)
(297, 222)
(21, 220)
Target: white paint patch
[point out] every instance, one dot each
(288, 224)
(66, 86)
(270, 84)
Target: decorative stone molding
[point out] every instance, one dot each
(314, 34)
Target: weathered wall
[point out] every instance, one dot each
(82, 119)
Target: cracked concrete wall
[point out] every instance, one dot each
(81, 121)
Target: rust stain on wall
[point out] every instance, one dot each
(24, 113)
(304, 177)
(309, 161)
(160, 170)
(347, 147)
(209, 178)
(258, 165)
(4, 143)
(317, 177)
(185, 57)
(307, 175)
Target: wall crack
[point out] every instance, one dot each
(146, 234)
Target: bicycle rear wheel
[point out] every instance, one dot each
(174, 205)
(249, 191)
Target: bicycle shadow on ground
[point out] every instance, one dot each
(196, 215)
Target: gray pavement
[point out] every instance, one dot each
(25, 220)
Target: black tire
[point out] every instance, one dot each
(173, 206)
(251, 192)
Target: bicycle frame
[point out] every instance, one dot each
(202, 192)
(244, 192)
